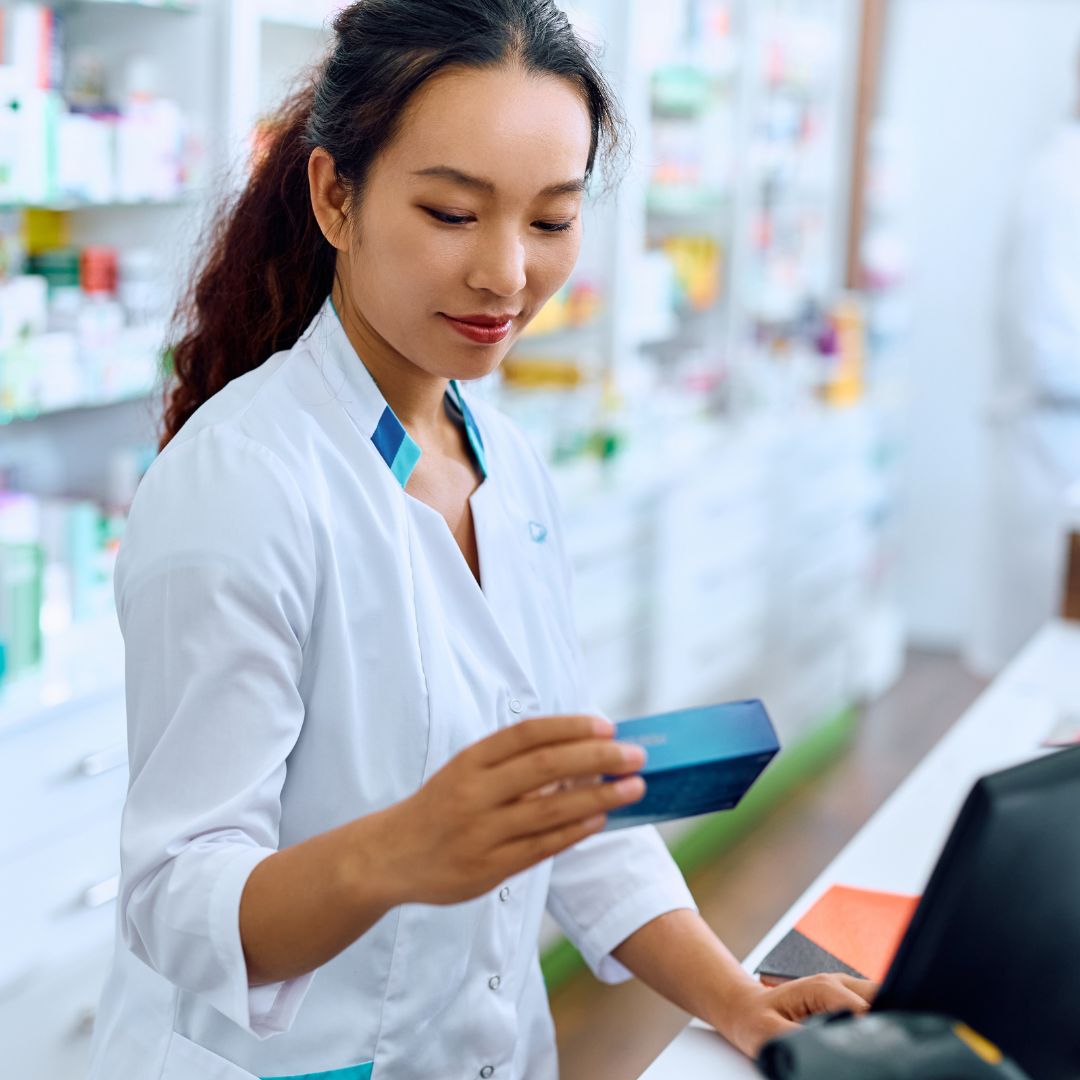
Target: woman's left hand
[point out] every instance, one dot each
(765, 1012)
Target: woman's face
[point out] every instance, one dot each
(473, 210)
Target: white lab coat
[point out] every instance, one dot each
(305, 645)
(1035, 431)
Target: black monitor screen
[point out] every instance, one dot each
(995, 940)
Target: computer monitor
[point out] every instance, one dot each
(995, 940)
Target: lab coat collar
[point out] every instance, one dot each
(369, 408)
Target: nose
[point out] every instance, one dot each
(498, 265)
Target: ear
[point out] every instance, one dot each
(328, 198)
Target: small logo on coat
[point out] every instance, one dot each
(537, 531)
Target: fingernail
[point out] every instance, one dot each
(633, 754)
(632, 785)
(603, 726)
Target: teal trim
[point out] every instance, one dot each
(353, 1072)
(405, 459)
(471, 430)
(397, 447)
(718, 832)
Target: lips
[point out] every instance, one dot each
(491, 331)
(484, 320)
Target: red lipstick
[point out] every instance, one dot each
(483, 329)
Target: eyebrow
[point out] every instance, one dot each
(456, 176)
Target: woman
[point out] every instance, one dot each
(360, 742)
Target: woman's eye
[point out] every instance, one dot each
(458, 219)
(449, 219)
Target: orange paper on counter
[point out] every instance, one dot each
(851, 931)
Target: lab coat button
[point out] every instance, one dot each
(504, 893)
(494, 981)
(515, 705)
(487, 1071)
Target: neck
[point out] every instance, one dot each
(416, 396)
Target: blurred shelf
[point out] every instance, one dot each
(83, 664)
(29, 415)
(313, 15)
(179, 7)
(561, 336)
(189, 198)
(686, 201)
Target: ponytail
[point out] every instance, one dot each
(267, 271)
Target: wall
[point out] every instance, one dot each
(976, 86)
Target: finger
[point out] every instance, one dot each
(568, 783)
(537, 816)
(526, 735)
(545, 766)
(840, 997)
(866, 989)
(529, 850)
(816, 994)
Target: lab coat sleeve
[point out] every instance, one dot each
(214, 590)
(608, 885)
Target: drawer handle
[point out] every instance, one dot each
(102, 893)
(112, 757)
(84, 1023)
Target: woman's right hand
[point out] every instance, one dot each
(501, 806)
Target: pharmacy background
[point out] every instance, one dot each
(811, 397)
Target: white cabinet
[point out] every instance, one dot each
(46, 1020)
(57, 770)
(63, 774)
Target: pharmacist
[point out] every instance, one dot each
(1037, 435)
(353, 684)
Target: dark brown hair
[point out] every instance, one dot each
(267, 267)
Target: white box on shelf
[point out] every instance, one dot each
(85, 156)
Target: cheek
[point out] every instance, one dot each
(402, 269)
(551, 265)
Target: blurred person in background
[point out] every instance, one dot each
(1035, 452)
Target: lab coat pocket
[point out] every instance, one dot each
(187, 1060)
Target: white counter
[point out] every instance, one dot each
(898, 847)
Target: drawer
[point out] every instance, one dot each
(60, 770)
(714, 610)
(699, 668)
(609, 598)
(738, 545)
(60, 898)
(814, 691)
(45, 1028)
(615, 673)
(831, 620)
(602, 528)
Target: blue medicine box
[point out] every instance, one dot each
(699, 760)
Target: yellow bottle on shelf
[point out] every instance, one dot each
(846, 387)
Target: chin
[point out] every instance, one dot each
(479, 364)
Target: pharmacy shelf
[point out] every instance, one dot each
(72, 205)
(176, 7)
(298, 14)
(102, 402)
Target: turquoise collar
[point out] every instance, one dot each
(398, 449)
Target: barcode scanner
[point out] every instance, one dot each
(885, 1046)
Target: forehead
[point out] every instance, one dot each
(520, 130)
